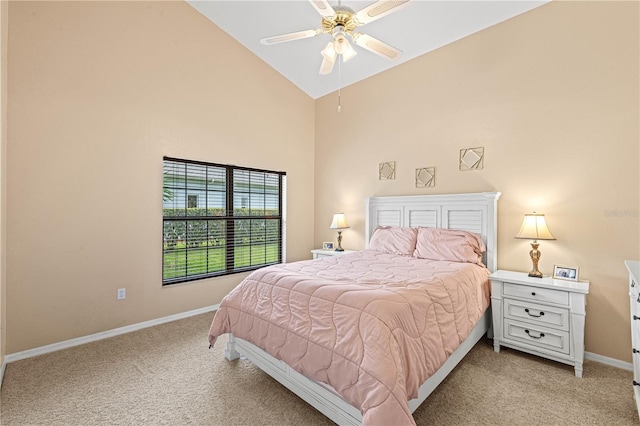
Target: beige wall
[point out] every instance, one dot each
(3, 181)
(98, 93)
(552, 96)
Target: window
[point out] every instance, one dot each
(220, 219)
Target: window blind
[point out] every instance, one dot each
(219, 219)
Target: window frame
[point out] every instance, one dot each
(229, 218)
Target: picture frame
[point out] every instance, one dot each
(327, 246)
(569, 273)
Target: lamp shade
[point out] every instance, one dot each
(339, 221)
(349, 53)
(534, 227)
(340, 42)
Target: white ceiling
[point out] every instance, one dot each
(418, 28)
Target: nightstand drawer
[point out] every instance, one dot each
(323, 254)
(538, 314)
(536, 293)
(320, 253)
(541, 337)
(634, 288)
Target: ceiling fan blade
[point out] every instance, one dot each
(290, 37)
(379, 9)
(376, 46)
(323, 7)
(327, 66)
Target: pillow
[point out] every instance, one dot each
(450, 245)
(394, 240)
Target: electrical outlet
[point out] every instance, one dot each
(122, 293)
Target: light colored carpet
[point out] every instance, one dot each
(165, 375)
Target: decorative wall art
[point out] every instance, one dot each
(425, 177)
(387, 170)
(471, 159)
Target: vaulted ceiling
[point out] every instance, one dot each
(416, 29)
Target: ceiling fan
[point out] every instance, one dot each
(341, 22)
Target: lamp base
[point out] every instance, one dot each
(535, 257)
(339, 248)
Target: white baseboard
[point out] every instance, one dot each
(102, 335)
(2, 367)
(608, 361)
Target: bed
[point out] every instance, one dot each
(365, 337)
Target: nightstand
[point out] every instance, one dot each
(318, 253)
(633, 266)
(540, 316)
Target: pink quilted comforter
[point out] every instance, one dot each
(372, 325)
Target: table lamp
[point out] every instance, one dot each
(535, 228)
(339, 223)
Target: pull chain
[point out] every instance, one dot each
(339, 82)
(339, 74)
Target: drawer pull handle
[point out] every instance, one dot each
(635, 351)
(633, 283)
(636, 383)
(542, 313)
(535, 337)
(635, 317)
(533, 293)
(638, 299)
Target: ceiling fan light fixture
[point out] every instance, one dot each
(340, 42)
(349, 53)
(340, 22)
(329, 53)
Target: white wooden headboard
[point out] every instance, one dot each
(476, 212)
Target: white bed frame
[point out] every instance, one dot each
(475, 212)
